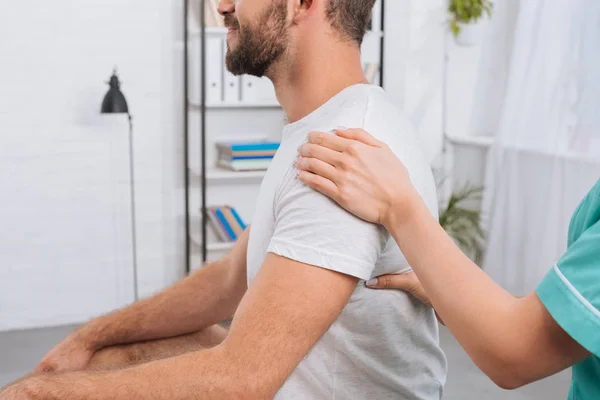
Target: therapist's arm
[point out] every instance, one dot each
(286, 310)
(514, 341)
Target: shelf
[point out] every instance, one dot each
(221, 174)
(216, 246)
(237, 105)
(220, 246)
(476, 141)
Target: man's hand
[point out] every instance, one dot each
(407, 282)
(24, 389)
(72, 354)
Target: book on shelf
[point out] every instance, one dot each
(226, 222)
(247, 146)
(246, 156)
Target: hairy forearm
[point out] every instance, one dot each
(208, 296)
(208, 374)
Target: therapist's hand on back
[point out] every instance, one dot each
(365, 177)
(359, 172)
(408, 283)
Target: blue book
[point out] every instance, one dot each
(229, 158)
(258, 146)
(223, 220)
(238, 219)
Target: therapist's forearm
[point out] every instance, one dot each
(484, 318)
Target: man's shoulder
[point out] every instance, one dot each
(386, 121)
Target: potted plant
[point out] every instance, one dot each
(462, 221)
(466, 21)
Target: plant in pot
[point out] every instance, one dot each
(462, 221)
(466, 19)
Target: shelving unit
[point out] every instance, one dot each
(208, 121)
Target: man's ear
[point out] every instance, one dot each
(303, 9)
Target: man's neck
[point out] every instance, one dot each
(318, 74)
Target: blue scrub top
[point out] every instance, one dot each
(571, 293)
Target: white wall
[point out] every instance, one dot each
(143, 38)
(139, 37)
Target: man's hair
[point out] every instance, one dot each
(350, 17)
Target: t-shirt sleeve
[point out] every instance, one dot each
(312, 229)
(571, 290)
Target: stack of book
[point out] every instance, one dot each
(253, 156)
(226, 223)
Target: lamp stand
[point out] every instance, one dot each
(133, 212)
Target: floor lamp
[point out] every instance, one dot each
(114, 103)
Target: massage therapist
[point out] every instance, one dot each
(515, 341)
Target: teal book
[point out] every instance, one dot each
(251, 146)
(237, 217)
(223, 220)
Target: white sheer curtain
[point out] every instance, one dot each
(494, 66)
(547, 152)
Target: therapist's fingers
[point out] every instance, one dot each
(407, 282)
(318, 183)
(311, 150)
(329, 141)
(361, 135)
(318, 167)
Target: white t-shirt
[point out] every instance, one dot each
(384, 345)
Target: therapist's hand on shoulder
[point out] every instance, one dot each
(359, 172)
(408, 283)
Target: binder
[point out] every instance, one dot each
(248, 92)
(376, 19)
(231, 84)
(214, 70)
(264, 91)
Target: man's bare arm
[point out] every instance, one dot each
(283, 314)
(206, 297)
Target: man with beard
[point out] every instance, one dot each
(305, 325)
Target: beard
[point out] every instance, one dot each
(259, 46)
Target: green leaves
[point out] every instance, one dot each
(467, 11)
(463, 224)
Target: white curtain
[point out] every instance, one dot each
(494, 66)
(547, 150)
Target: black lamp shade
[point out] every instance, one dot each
(114, 102)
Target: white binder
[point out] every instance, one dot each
(376, 21)
(214, 70)
(231, 83)
(249, 93)
(259, 91)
